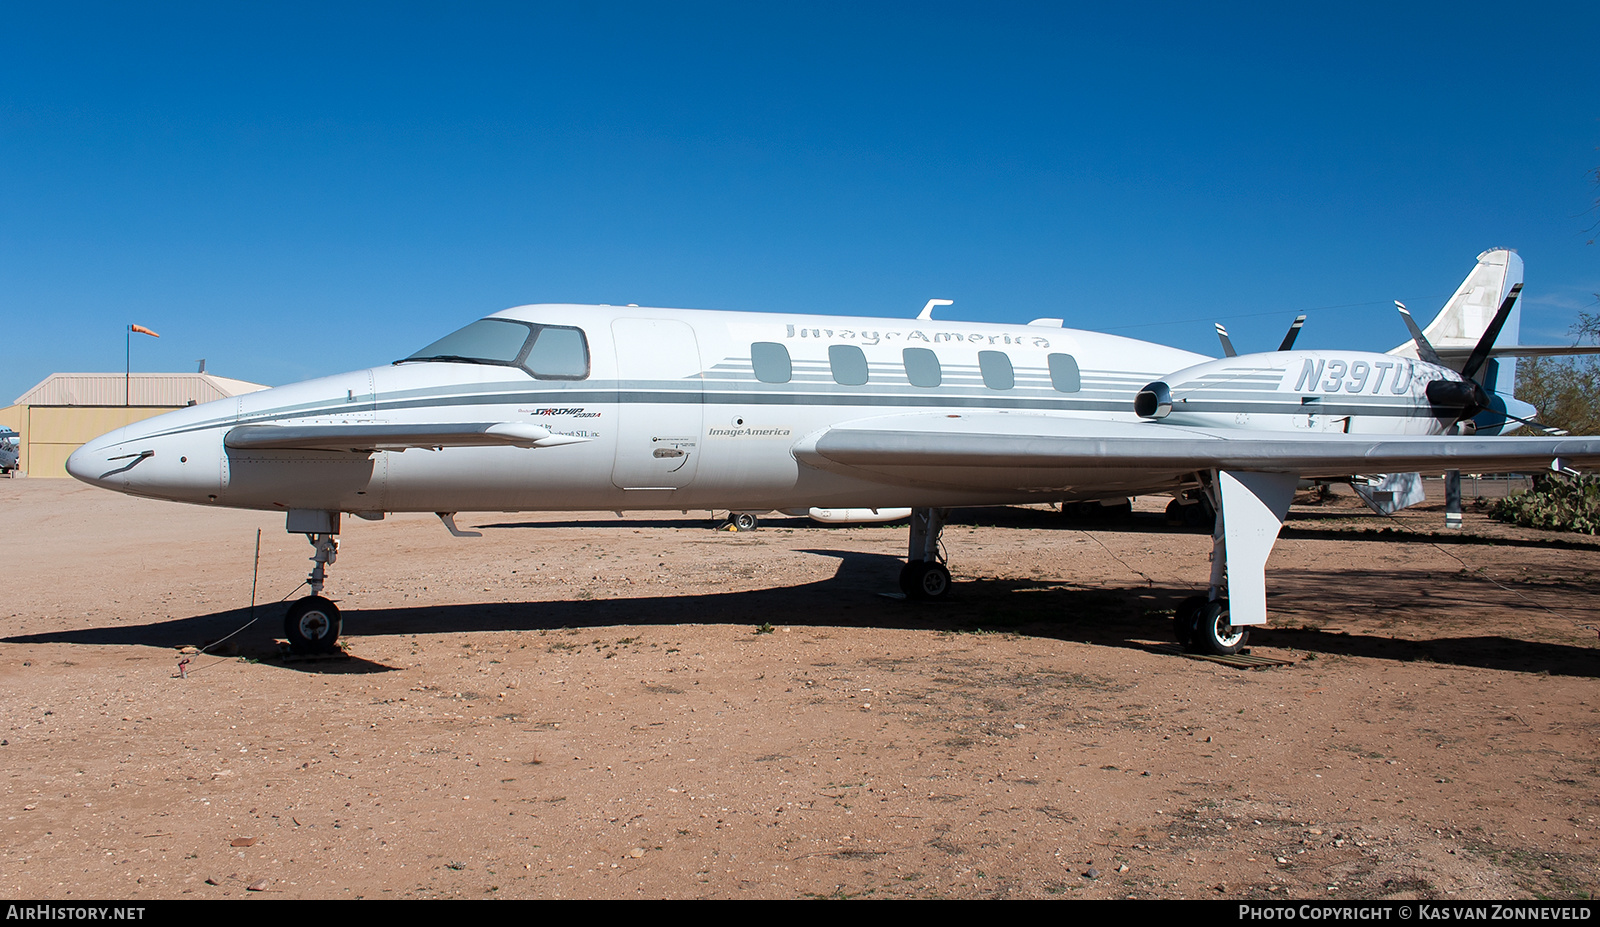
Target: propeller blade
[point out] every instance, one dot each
(1227, 345)
(1424, 349)
(1293, 333)
(1486, 343)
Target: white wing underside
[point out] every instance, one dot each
(1003, 451)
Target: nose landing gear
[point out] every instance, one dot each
(312, 624)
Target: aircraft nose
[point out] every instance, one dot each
(78, 465)
(90, 462)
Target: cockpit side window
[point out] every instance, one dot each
(559, 353)
(549, 352)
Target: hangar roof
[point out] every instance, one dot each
(139, 389)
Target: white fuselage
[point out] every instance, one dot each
(680, 409)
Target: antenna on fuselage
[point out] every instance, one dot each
(927, 311)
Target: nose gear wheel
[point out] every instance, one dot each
(312, 625)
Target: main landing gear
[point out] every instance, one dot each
(312, 624)
(1250, 507)
(925, 577)
(1203, 625)
(1192, 511)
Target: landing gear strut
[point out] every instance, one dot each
(1250, 508)
(312, 624)
(1202, 623)
(925, 577)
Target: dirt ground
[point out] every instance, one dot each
(642, 706)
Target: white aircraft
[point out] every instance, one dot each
(10, 442)
(579, 408)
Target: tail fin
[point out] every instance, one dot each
(1455, 331)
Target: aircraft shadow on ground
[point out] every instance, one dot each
(1361, 527)
(1112, 616)
(1358, 525)
(1406, 534)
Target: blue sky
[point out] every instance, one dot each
(290, 190)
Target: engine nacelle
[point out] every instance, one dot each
(1318, 391)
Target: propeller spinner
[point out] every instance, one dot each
(1456, 400)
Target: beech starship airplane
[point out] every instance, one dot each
(581, 408)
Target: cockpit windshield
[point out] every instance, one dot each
(486, 341)
(549, 352)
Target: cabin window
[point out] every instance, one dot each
(848, 363)
(996, 369)
(559, 353)
(771, 362)
(922, 367)
(1064, 373)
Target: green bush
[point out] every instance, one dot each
(1554, 504)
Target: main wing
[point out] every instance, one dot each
(1256, 471)
(1004, 451)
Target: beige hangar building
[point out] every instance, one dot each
(66, 410)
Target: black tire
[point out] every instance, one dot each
(1183, 621)
(1075, 512)
(1175, 517)
(313, 625)
(905, 577)
(1214, 634)
(927, 580)
(744, 521)
(1200, 515)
